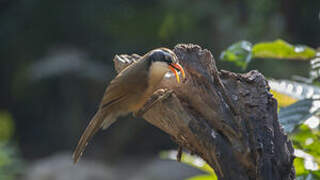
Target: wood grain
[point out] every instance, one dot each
(228, 119)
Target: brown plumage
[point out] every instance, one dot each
(128, 92)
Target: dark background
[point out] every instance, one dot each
(56, 60)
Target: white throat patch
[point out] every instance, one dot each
(157, 72)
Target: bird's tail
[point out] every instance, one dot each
(91, 129)
(98, 121)
(108, 121)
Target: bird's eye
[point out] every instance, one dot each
(160, 55)
(168, 59)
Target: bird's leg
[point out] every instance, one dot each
(179, 153)
(157, 96)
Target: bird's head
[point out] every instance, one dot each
(163, 60)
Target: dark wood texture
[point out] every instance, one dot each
(228, 119)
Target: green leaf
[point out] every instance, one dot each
(316, 174)
(295, 114)
(294, 89)
(203, 177)
(315, 67)
(309, 161)
(280, 49)
(188, 159)
(283, 99)
(238, 53)
(299, 167)
(307, 139)
(302, 173)
(242, 52)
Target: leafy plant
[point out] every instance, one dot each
(239, 53)
(292, 116)
(10, 163)
(192, 161)
(280, 49)
(242, 52)
(315, 67)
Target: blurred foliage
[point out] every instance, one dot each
(283, 99)
(315, 68)
(292, 116)
(239, 53)
(308, 140)
(294, 89)
(280, 49)
(194, 161)
(242, 52)
(6, 126)
(10, 162)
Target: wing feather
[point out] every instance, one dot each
(119, 90)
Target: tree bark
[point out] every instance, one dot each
(228, 119)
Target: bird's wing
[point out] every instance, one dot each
(128, 82)
(119, 90)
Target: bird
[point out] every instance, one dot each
(129, 91)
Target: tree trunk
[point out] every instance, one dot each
(228, 119)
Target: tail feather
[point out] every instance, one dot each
(91, 129)
(108, 121)
(99, 120)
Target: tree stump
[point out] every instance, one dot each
(229, 120)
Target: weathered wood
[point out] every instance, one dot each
(229, 120)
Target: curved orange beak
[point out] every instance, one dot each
(174, 67)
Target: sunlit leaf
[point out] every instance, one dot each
(203, 177)
(312, 175)
(316, 174)
(299, 167)
(188, 159)
(315, 67)
(280, 49)
(238, 53)
(283, 99)
(242, 52)
(308, 160)
(294, 89)
(295, 114)
(307, 139)
(302, 173)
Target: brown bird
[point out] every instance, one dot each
(129, 90)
